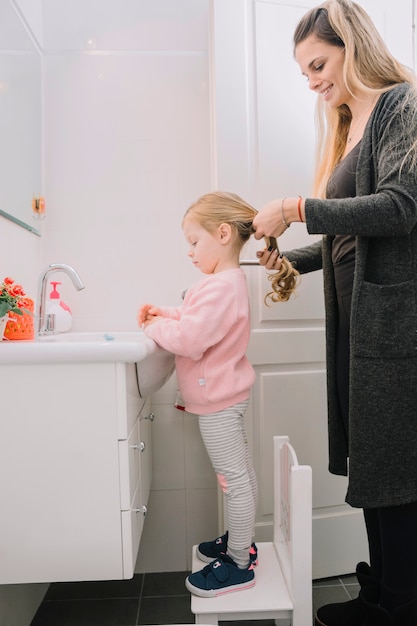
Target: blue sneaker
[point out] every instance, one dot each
(216, 549)
(210, 550)
(221, 576)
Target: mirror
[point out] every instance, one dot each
(20, 117)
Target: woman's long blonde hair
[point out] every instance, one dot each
(369, 68)
(220, 207)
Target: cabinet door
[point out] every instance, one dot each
(129, 402)
(138, 449)
(145, 434)
(132, 526)
(130, 451)
(59, 474)
(265, 141)
(135, 455)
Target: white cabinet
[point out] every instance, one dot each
(75, 471)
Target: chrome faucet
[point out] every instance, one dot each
(43, 329)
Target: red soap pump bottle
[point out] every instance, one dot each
(62, 312)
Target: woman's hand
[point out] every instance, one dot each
(270, 259)
(147, 314)
(268, 222)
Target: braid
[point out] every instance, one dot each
(285, 281)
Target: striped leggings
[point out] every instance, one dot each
(224, 437)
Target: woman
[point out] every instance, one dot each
(365, 206)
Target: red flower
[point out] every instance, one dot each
(16, 290)
(12, 298)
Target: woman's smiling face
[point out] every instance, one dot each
(322, 65)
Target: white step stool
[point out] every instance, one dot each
(283, 589)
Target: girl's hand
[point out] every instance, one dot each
(151, 319)
(147, 314)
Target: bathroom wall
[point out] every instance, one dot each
(127, 149)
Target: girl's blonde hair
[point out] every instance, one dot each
(220, 207)
(369, 68)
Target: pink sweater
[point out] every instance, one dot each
(209, 335)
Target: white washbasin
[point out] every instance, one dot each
(129, 347)
(154, 365)
(95, 336)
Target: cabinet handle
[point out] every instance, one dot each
(150, 417)
(143, 509)
(141, 446)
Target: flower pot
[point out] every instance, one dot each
(21, 326)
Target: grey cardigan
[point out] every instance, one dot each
(382, 447)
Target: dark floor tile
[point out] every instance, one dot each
(166, 610)
(323, 594)
(156, 598)
(353, 590)
(91, 590)
(327, 582)
(165, 584)
(349, 580)
(101, 612)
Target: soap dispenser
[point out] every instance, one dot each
(62, 312)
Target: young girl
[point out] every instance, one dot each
(209, 335)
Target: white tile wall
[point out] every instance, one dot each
(127, 149)
(31, 11)
(13, 34)
(147, 25)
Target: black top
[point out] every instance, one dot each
(342, 184)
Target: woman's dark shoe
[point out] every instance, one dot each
(351, 613)
(376, 615)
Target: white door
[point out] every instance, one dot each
(263, 121)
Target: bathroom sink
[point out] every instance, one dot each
(153, 364)
(72, 347)
(95, 336)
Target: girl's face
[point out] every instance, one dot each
(322, 65)
(206, 249)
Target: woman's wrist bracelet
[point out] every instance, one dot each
(282, 214)
(299, 208)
